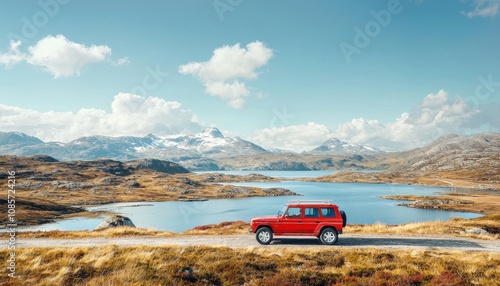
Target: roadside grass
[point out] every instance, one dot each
(198, 265)
(109, 232)
(223, 228)
(455, 226)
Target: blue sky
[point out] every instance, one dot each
(283, 74)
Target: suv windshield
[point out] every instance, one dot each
(283, 210)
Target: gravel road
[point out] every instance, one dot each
(248, 240)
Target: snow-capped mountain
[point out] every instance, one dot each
(212, 142)
(335, 146)
(209, 143)
(17, 138)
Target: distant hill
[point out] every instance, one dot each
(16, 139)
(336, 147)
(479, 152)
(458, 161)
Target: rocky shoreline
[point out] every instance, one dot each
(428, 202)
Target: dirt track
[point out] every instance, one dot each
(245, 241)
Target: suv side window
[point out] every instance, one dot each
(311, 212)
(328, 212)
(294, 212)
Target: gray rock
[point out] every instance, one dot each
(186, 271)
(133, 184)
(476, 230)
(115, 221)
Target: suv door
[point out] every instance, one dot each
(311, 220)
(291, 221)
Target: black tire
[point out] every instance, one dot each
(344, 218)
(329, 236)
(264, 235)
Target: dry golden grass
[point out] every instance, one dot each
(223, 228)
(455, 226)
(109, 232)
(168, 265)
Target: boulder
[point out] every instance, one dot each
(115, 221)
(476, 230)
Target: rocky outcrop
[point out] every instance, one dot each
(158, 165)
(115, 221)
(476, 230)
(44, 158)
(279, 192)
(434, 204)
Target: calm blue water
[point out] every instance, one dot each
(359, 201)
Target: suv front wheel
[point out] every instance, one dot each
(264, 235)
(329, 236)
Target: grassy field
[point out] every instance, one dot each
(143, 265)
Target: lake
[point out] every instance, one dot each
(361, 202)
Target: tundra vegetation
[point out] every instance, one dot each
(200, 265)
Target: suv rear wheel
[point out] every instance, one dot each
(328, 236)
(264, 235)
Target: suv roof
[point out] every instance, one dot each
(310, 202)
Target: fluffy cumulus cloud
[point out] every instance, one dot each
(59, 56)
(435, 116)
(294, 137)
(484, 8)
(131, 115)
(13, 56)
(224, 73)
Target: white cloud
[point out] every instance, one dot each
(59, 56)
(13, 56)
(63, 58)
(131, 115)
(484, 8)
(294, 137)
(435, 116)
(121, 62)
(222, 75)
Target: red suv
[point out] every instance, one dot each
(321, 219)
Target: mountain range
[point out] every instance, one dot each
(211, 150)
(197, 151)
